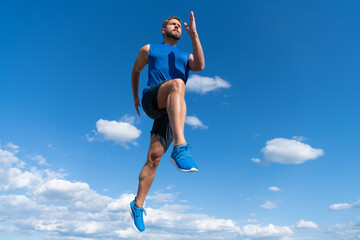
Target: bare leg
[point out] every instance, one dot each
(148, 172)
(171, 96)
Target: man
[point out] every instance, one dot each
(164, 101)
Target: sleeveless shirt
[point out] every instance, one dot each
(166, 63)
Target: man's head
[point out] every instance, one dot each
(171, 28)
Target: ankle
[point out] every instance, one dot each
(138, 203)
(176, 146)
(179, 140)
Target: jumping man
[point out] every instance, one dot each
(163, 100)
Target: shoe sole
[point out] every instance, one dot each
(132, 217)
(182, 170)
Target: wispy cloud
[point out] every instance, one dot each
(269, 205)
(127, 118)
(40, 159)
(348, 230)
(195, 122)
(12, 147)
(202, 85)
(274, 189)
(289, 151)
(90, 138)
(121, 132)
(343, 206)
(162, 197)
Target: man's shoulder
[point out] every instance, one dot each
(145, 48)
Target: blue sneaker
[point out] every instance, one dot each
(137, 216)
(182, 160)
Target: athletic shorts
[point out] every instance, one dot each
(161, 126)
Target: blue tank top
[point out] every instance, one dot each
(166, 63)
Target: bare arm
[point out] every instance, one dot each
(140, 63)
(196, 60)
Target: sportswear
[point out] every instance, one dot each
(137, 216)
(161, 126)
(182, 160)
(166, 63)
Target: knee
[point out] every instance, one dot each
(178, 85)
(153, 159)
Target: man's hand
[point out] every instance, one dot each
(137, 105)
(196, 60)
(191, 28)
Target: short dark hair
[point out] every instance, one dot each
(168, 19)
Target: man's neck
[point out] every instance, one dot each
(170, 41)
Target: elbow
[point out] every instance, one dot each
(199, 67)
(202, 66)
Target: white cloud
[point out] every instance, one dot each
(60, 189)
(17, 179)
(269, 205)
(119, 132)
(256, 160)
(268, 231)
(128, 119)
(12, 147)
(199, 84)
(184, 223)
(57, 208)
(19, 212)
(40, 159)
(289, 151)
(89, 138)
(274, 189)
(307, 224)
(7, 158)
(346, 231)
(250, 220)
(340, 206)
(162, 197)
(121, 203)
(195, 122)
(300, 138)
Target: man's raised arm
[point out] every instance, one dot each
(196, 60)
(140, 63)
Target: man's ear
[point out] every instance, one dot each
(163, 30)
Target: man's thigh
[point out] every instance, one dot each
(166, 88)
(155, 147)
(149, 103)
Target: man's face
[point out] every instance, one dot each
(173, 29)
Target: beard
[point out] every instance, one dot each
(173, 35)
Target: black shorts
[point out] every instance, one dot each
(161, 126)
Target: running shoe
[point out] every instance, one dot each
(137, 216)
(182, 160)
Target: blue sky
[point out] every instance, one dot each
(281, 111)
